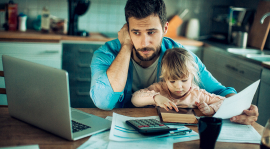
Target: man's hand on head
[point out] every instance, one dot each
(124, 37)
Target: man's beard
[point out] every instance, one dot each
(156, 52)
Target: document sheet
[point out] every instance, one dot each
(233, 132)
(236, 104)
(155, 143)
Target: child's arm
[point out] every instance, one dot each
(204, 108)
(152, 96)
(165, 103)
(209, 103)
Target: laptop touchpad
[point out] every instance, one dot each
(79, 116)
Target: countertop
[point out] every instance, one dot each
(266, 65)
(35, 36)
(223, 48)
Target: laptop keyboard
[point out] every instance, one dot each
(78, 126)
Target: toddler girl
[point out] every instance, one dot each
(178, 86)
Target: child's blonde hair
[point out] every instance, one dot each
(178, 63)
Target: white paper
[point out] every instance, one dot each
(156, 143)
(233, 132)
(97, 141)
(120, 131)
(101, 140)
(236, 104)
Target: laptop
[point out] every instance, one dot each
(39, 95)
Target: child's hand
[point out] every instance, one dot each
(204, 108)
(165, 103)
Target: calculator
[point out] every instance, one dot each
(149, 126)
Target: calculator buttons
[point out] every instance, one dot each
(148, 126)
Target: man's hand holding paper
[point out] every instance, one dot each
(248, 117)
(238, 107)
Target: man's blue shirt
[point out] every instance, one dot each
(105, 98)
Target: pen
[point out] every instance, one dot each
(178, 132)
(180, 124)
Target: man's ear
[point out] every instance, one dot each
(166, 27)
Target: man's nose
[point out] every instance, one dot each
(145, 40)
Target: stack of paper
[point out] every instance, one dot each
(120, 131)
(232, 132)
(122, 135)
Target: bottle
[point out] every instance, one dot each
(22, 22)
(45, 20)
(11, 16)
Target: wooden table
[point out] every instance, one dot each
(15, 132)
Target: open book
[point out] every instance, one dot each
(184, 115)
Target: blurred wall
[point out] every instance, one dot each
(108, 15)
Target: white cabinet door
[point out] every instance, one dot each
(49, 54)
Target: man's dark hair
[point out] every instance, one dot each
(140, 9)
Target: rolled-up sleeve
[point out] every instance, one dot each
(101, 91)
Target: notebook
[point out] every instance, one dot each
(184, 115)
(39, 95)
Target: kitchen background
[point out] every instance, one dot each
(74, 54)
(107, 16)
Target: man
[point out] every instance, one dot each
(132, 62)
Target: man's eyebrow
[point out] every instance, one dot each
(136, 30)
(151, 29)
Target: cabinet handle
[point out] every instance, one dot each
(51, 51)
(86, 51)
(231, 67)
(84, 65)
(83, 79)
(83, 93)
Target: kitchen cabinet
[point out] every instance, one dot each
(231, 71)
(77, 57)
(49, 54)
(264, 97)
(198, 50)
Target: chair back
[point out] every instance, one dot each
(2, 90)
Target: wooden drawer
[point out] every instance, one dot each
(249, 70)
(82, 79)
(209, 57)
(48, 54)
(77, 59)
(239, 67)
(31, 49)
(80, 98)
(266, 76)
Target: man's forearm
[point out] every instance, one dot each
(118, 71)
